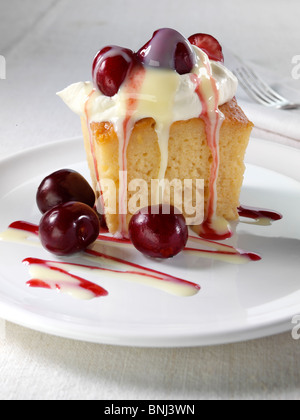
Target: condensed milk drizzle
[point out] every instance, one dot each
(60, 275)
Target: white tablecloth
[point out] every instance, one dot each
(49, 44)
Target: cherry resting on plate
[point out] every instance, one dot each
(110, 68)
(158, 231)
(168, 49)
(209, 45)
(69, 228)
(64, 186)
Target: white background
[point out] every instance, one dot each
(49, 44)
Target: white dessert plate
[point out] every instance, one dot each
(236, 302)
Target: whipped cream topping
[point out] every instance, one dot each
(163, 91)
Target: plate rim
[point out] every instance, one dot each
(38, 148)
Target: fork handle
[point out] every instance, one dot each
(290, 106)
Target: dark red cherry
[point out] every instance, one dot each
(69, 228)
(110, 68)
(209, 45)
(168, 49)
(158, 231)
(63, 186)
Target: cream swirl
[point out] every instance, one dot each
(159, 88)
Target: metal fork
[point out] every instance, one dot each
(260, 91)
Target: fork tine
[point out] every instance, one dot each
(260, 91)
(251, 89)
(265, 88)
(257, 90)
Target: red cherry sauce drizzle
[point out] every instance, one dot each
(134, 269)
(251, 256)
(208, 232)
(221, 249)
(213, 121)
(133, 86)
(25, 226)
(89, 129)
(142, 271)
(92, 147)
(94, 289)
(217, 248)
(256, 213)
(113, 239)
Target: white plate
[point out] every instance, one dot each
(236, 302)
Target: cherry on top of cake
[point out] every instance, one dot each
(167, 49)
